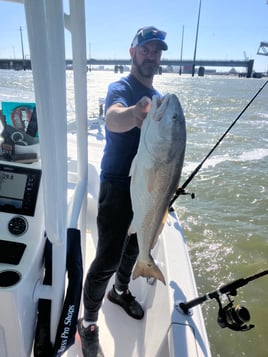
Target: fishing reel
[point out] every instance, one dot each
(233, 317)
(179, 191)
(183, 192)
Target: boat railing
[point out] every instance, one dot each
(47, 47)
(80, 91)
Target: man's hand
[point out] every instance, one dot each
(120, 119)
(141, 109)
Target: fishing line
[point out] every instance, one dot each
(181, 190)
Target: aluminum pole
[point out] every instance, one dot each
(196, 38)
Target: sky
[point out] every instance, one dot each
(228, 29)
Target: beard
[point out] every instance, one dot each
(147, 68)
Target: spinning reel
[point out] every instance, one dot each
(233, 317)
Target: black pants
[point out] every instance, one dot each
(116, 251)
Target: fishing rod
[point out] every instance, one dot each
(228, 316)
(181, 190)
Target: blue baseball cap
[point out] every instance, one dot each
(148, 34)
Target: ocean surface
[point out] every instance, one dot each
(226, 224)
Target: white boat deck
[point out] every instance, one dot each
(164, 330)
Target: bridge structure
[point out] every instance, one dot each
(19, 64)
(248, 64)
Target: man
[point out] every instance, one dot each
(127, 103)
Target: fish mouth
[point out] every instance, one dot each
(161, 107)
(158, 110)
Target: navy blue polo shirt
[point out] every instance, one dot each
(121, 148)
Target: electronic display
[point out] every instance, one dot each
(18, 189)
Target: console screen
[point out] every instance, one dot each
(12, 185)
(18, 189)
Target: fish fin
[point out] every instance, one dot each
(164, 218)
(131, 229)
(160, 229)
(133, 168)
(149, 270)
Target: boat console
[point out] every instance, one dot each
(21, 254)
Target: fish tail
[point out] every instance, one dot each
(148, 269)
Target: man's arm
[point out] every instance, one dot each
(120, 119)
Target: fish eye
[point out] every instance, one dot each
(175, 116)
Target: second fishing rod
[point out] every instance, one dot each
(181, 190)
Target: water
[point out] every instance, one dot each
(226, 224)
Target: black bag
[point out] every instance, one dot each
(66, 330)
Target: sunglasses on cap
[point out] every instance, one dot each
(147, 34)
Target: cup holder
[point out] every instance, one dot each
(9, 278)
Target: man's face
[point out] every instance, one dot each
(146, 59)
